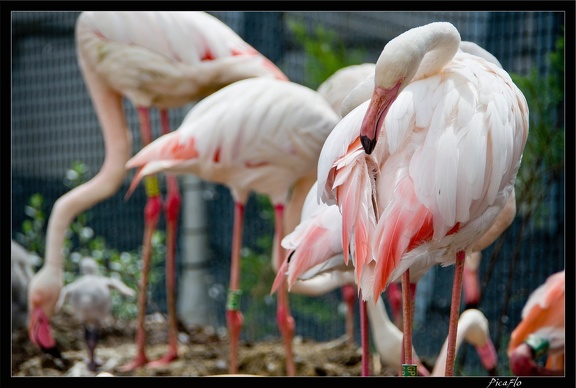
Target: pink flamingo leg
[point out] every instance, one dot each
(152, 212)
(454, 313)
(408, 301)
(349, 295)
(234, 318)
(286, 323)
(364, 334)
(172, 211)
(407, 324)
(408, 294)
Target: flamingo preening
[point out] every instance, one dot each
(308, 255)
(422, 170)
(154, 59)
(471, 277)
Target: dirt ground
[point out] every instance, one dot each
(202, 351)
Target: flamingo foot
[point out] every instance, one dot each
(165, 360)
(286, 324)
(422, 371)
(93, 365)
(138, 362)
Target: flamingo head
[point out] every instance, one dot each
(476, 332)
(488, 357)
(382, 99)
(415, 54)
(522, 362)
(40, 334)
(43, 293)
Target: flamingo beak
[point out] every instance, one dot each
(40, 334)
(381, 101)
(281, 274)
(488, 357)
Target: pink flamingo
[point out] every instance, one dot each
(334, 89)
(541, 331)
(154, 59)
(450, 129)
(257, 135)
(471, 278)
(345, 90)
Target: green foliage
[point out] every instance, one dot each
(257, 273)
(325, 53)
(543, 158)
(256, 280)
(81, 241)
(32, 235)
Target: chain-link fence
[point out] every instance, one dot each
(54, 124)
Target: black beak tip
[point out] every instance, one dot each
(368, 144)
(54, 352)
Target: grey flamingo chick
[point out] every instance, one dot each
(91, 302)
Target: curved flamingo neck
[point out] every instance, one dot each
(440, 364)
(417, 53)
(117, 141)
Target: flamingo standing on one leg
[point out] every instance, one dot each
(442, 140)
(91, 302)
(258, 135)
(541, 331)
(155, 59)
